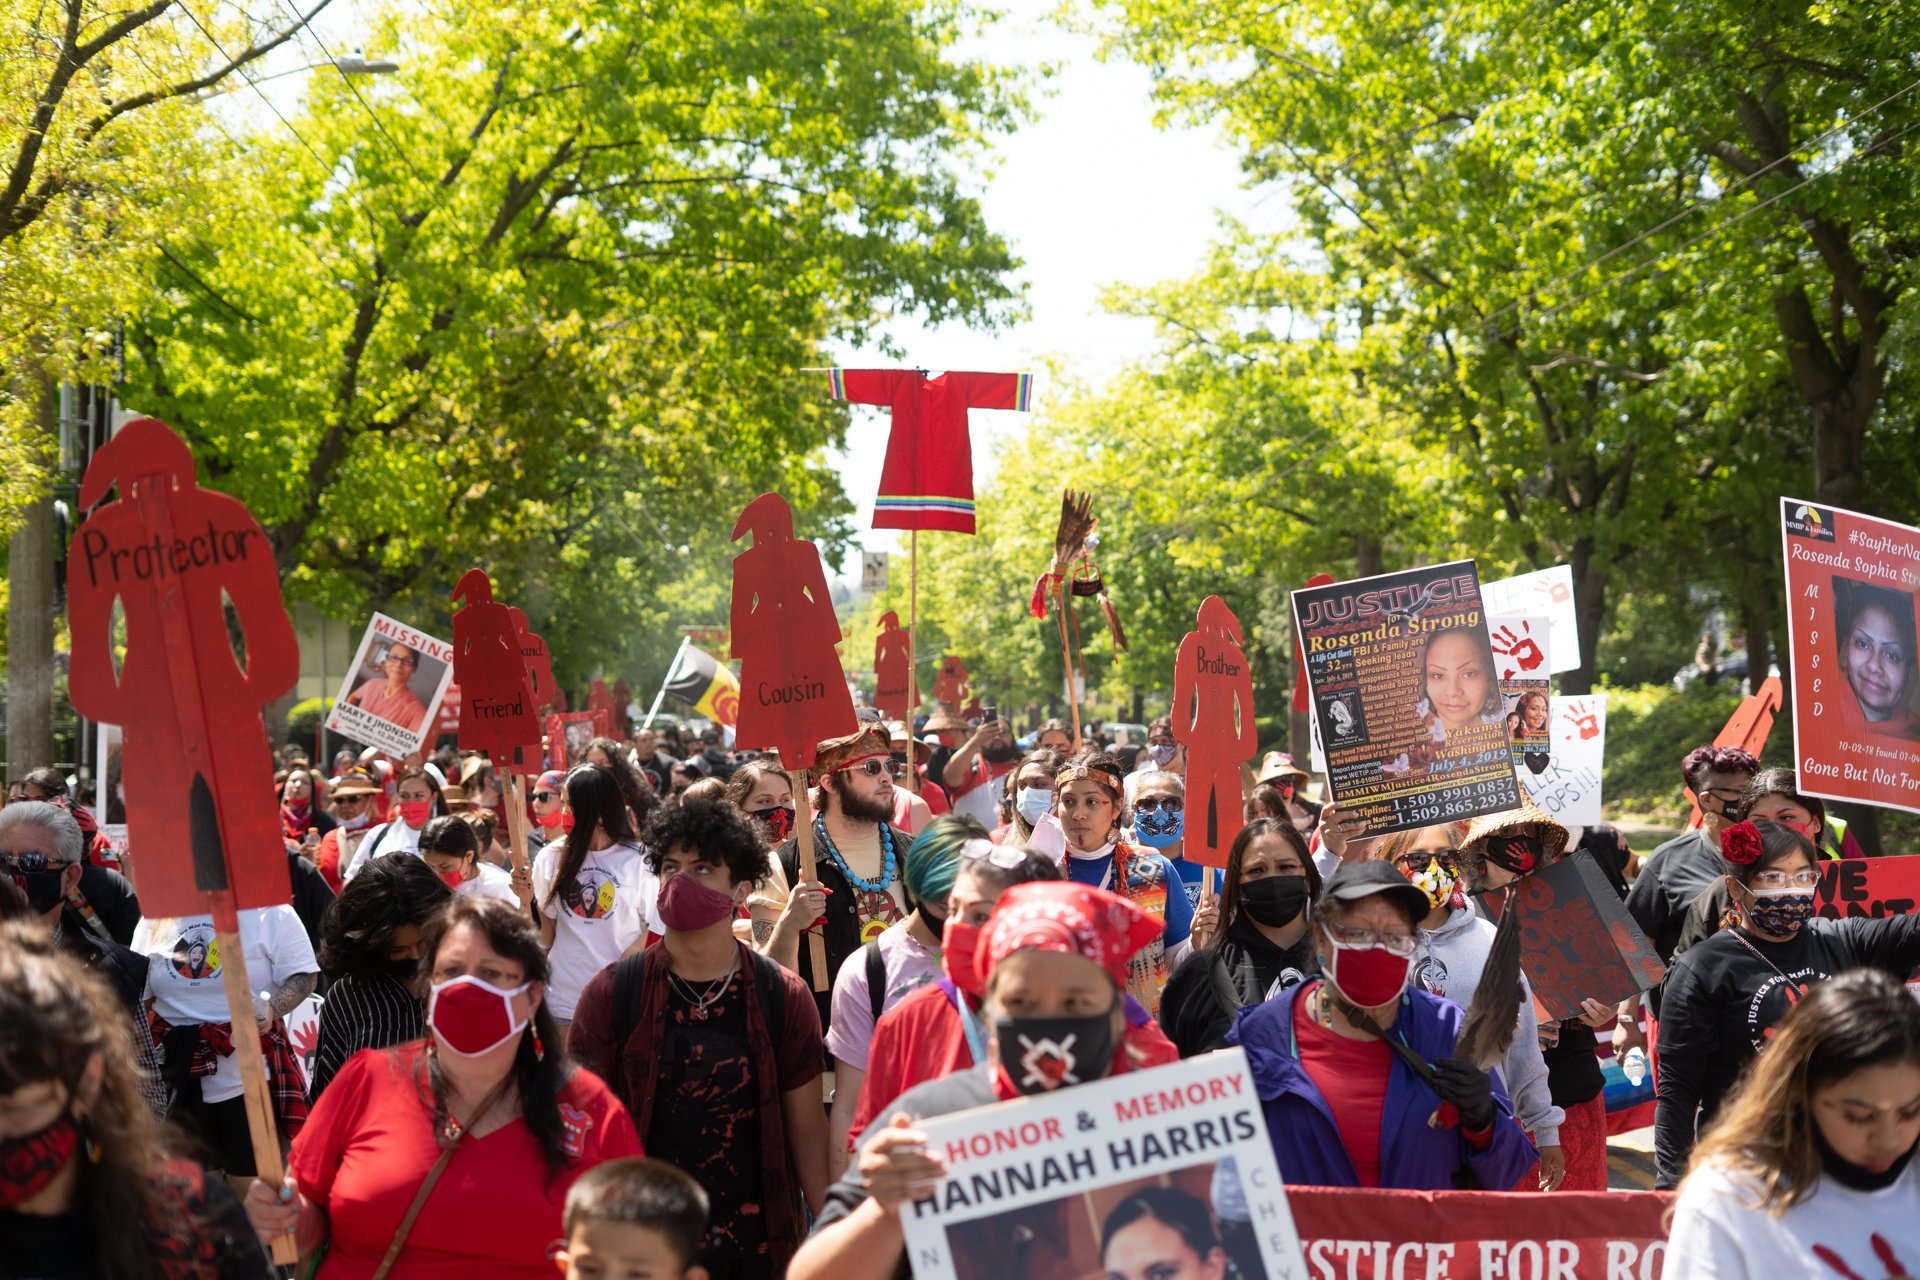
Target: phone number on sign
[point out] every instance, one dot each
(1453, 802)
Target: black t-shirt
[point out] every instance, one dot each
(1574, 1073)
(220, 1245)
(1673, 877)
(1191, 1011)
(706, 1116)
(1724, 997)
(311, 896)
(112, 898)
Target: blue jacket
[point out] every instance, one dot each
(1306, 1142)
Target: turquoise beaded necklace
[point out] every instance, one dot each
(840, 863)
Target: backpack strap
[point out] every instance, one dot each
(770, 992)
(876, 979)
(629, 980)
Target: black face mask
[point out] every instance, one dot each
(1043, 1054)
(42, 889)
(936, 923)
(1849, 1174)
(1274, 900)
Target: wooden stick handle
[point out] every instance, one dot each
(262, 1127)
(809, 870)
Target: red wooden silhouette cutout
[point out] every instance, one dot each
(539, 664)
(950, 683)
(199, 782)
(497, 714)
(1302, 699)
(793, 690)
(600, 703)
(890, 668)
(1213, 719)
(622, 699)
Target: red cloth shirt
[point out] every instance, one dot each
(369, 1145)
(1352, 1076)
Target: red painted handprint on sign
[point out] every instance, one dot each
(1513, 641)
(1556, 591)
(1583, 719)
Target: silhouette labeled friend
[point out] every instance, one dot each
(497, 715)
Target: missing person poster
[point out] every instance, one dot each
(392, 689)
(1406, 693)
(1850, 637)
(1104, 1179)
(1569, 787)
(1548, 592)
(1520, 646)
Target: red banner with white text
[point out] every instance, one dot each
(1358, 1234)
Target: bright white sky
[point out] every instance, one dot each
(1090, 194)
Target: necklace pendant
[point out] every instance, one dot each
(700, 1013)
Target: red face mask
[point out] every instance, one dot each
(686, 905)
(566, 821)
(959, 943)
(453, 878)
(549, 820)
(471, 1017)
(416, 812)
(1368, 976)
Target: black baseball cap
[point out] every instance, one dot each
(1356, 880)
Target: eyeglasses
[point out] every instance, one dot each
(1400, 944)
(1158, 804)
(350, 800)
(1419, 862)
(544, 796)
(1006, 857)
(899, 766)
(1781, 880)
(32, 862)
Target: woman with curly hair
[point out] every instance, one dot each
(1725, 995)
(1812, 1160)
(89, 1186)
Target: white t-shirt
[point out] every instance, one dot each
(184, 980)
(492, 882)
(615, 905)
(387, 838)
(1718, 1236)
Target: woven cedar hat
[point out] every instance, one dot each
(1553, 836)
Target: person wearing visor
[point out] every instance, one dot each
(1052, 967)
(1355, 1070)
(409, 1145)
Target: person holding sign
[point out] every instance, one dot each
(1724, 997)
(90, 1185)
(1335, 1060)
(1810, 1170)
(1052, 961)
(1265, 947)
(1088, 793)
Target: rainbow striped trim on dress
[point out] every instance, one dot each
(1023, 393)
(963, 506)
(836, 384)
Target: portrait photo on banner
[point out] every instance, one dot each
(1874, 625)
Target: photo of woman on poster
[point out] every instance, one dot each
(389, 695)
(1161, 1233)
(1875, 635)
(1458, 684)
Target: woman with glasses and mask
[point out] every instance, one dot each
(1051, 963)
(1343, 1107)
(1724, 996)
(1265, 946)
(905, 957)
(387, 695)
(418, 800)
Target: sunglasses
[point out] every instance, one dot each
(1157, 804)
(544, 796)
(872, 768)
(30, 863)
(348, 800)
(1006, 857)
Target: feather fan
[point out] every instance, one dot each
(1493, 1015)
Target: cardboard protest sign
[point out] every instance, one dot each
(1887, 886)
(447, 719)
(600, 702)
(1045, 1187)
(200, 803)
(1548, 592)
(1569, 787)
(1577, 940)
(1520, 647)
(501, 718)
(1850, 635)
(892, 668)
(1407, 696)
(1213, 719)
(794, 690)
(951, 683)
(392, 688)
(1351, 1232)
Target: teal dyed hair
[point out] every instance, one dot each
(933, 859)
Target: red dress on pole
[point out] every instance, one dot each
(890, 668)
(793, 690)
(926, 481)
(497, 714)
(1213, 719)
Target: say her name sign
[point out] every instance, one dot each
(1058, 1171)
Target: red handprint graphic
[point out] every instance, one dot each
(1556, 591)
(1581, 716)
(1881, 1250)
(1513, 641)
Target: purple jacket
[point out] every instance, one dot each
(1413, 1156)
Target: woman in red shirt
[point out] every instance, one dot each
(491, 1083)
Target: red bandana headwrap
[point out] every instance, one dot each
(1076, 919)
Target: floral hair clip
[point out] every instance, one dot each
(1740, 844)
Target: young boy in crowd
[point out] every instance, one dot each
(634, 1219)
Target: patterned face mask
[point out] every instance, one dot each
(1440, 881)
(1781, 912)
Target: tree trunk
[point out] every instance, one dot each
(1590, 607)
(30, 618)
(1366, 555)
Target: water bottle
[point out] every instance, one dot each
(1634, 1066)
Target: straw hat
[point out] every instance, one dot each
(353, 784)
(1553, 836)
(836, 753)
(945, 720)
(901, 737)
(1277, 765)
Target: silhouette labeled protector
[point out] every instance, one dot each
(793, 690)
(200, 807)
(891, 668)
(1213, 719)
(497, 715)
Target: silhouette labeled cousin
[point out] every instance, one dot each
(200, 807)
(1213, 719)
(892, 668)
(793, 690)
(498, 715)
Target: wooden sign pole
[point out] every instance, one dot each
(809, 872)
(262, 1126)
(514, 797)
(913, 673)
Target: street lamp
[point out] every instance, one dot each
(348, 66)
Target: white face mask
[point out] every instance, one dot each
(356, 822)
(463, 1012)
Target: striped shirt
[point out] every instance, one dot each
(362, 1013)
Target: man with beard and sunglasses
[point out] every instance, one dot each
(858, 857)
